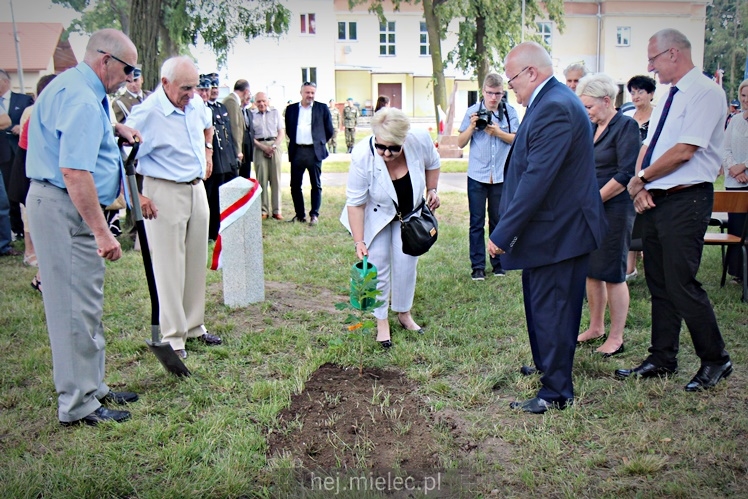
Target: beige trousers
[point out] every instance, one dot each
(178, 239)
(268, 171)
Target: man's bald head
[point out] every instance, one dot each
(527, 66)
(109, 53)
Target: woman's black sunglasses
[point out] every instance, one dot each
(391, 149)
(128, 69)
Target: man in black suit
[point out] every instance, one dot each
(551, 218)
(309, 127)
(13, 104)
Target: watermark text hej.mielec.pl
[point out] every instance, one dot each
(373, 483)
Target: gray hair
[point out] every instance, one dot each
(671, 38)
(172, 65)
(107, 40)
(577, 66)
(598, 86)
(4, 75)
(493, 80)
(390, 124)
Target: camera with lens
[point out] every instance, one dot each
(484, 117)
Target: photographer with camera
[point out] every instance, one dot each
(489, 126)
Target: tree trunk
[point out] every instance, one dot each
(435, 46)
(145, 16)
(482, 67)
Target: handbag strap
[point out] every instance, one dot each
(419, 208)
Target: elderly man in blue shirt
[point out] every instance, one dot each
(174, 159)
(489, 126)
(75, 170)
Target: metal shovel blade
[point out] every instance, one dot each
(168, 357)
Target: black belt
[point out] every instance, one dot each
(304, 145)
(656, 193)
(267, 139)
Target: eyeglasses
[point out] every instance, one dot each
(392, 149)
(651, 60)
(493, 94)
(128, 69)
(515, 76)
(309, 84)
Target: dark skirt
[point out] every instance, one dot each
(608, 262)
(18, 186)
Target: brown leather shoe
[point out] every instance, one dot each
(264, 216)
(278, 216)
(209, 339)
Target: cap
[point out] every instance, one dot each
(137, 72)
(204, 82)
(213, 79)
(349, 98)
(735, 103)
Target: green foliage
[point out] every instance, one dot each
(102, 14)
(726, 42)
(491, 28)
(365, 293)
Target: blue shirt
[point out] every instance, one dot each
(488, 153)
(70, 128)
(173, 145)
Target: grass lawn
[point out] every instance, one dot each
(206, 436)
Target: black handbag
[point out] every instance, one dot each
(418, 232)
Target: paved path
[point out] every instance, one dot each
(448, 182)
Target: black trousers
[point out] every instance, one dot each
(212, 184)
(16, 222)
(306, 160)
(673, 234)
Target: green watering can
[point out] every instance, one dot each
(359, 272)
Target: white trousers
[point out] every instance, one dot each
(396, 271)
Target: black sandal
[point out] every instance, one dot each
(37, 284)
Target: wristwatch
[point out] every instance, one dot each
(208, 146)
(641, 177)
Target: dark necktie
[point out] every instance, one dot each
(665, 110)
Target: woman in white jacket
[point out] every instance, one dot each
(394, 165)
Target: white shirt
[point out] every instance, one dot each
(736, 148)
(173, 145)
(304, 126)
(697, 117)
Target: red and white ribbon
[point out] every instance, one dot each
(230, 215)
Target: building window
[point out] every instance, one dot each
(387, 38)
(424, 41)
(309, 75)
(545, 30)
(308, 24)
(347, 31)
(623, 36)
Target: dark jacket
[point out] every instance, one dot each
(321, 128)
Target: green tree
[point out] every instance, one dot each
(164, 28)
(726, 41)
(490, 28)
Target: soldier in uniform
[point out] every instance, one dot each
(133, 95)
(350, 120)
(332, 144)
(225, 158)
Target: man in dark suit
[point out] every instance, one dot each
(13, 104)
(309, 127)
(551, 218)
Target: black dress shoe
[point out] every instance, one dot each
(419, 330)
(386, 344)
(645, 370)
(209, 339)
(536, 406)
(100, 415)
(529, 371)
(618, 350)
(120, 398)
(708, 376)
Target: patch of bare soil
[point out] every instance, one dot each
(373, 429)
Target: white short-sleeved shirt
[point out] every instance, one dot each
(697, 117)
